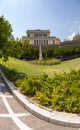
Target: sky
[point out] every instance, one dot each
(61, 17)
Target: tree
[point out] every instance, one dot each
(15, 48)
(5, 33)
(29, 52)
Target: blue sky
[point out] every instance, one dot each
(61, 17)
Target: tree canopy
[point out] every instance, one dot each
(5, 33)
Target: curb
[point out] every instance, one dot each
(54, 117)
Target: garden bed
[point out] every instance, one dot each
(51, 61)
(60, 92)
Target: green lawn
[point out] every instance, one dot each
(26, 67)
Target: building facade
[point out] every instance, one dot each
(76, 37)
(37, 37)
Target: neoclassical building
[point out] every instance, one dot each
(37, 37)
(76, 37)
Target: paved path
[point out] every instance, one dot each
(14, 117)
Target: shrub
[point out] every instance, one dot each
(60, 92)
(52, 61)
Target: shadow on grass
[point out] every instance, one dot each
(12, 74)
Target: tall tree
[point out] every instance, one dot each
(5, 33)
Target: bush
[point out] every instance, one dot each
(52, 61)
(60, 92)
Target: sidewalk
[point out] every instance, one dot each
(54, 117)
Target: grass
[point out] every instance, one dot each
(27, 68)
(59, 92)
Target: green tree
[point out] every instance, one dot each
(5, 33)
(15, 48)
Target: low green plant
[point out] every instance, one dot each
(60, 92)
(51, 61)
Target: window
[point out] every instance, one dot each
(37, 42)
(46, 41)
(42, 42)
(45, 35)
(28, 35)
(53, 41)
(34, 42)
(40, 35)
(36, 34)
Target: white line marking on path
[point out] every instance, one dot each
(16, 120)
(15, 115)
(6, 96)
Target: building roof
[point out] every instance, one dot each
(38, 30)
